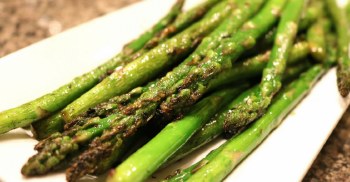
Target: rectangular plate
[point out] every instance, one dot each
(42, 67)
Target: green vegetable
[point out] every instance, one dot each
(140, 165)
(55, 149)
(316, 36)
(182, 21)
(50, 103)
(214, 128)
(272, 73)
(163, 23)
(91, 119)
(219, 163)
(221, 59)
(139, 112)
(252, 67)
(139, 71)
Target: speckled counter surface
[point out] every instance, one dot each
(23, 22)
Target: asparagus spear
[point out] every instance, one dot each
(185, 174)
(271, 79)
(210, 131)
(314, 10)
(316, 36)
(191, 87)
(331, 50)
(152, 62)
(342, 25)
(158, 89)
(182, 21)
(59, 98)
(140, 165)
(55, 149)
(217, 167)
(43, 129)
(139, 112)
(254, 66)
(309, 17)
(89, 126)
(139, 71)
(151, 156)
(156, 29)
(215, 127)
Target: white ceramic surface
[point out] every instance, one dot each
(40, 68)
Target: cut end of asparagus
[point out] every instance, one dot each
(343, 81)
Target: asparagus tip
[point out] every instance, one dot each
(343, 81)
(33, 168)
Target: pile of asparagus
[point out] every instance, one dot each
(234, 68)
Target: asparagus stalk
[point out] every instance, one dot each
(217, 167)
(185, 174)
(55, 149)
(214, 128)
(139, 112)
(151, 156)
(309, 17)
(331, 50)
(51, 125)
(182, 21)
(271, 79)
(342, 25)
(87, 126)
(151, 63)
(316, 36)
(314, 10)
(220, 162)
(139, 71)
(252, 67)
(156, 29)
(140, 165)
(113, 105)
(59, 98)
(220, 59)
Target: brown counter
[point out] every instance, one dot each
(23, 22)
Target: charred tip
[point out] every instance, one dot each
(343, 82)
(231, 130)
(77, 170)
(87, 162)
(343, 90)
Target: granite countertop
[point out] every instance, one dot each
(23, 22)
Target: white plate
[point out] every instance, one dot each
(40, 68)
